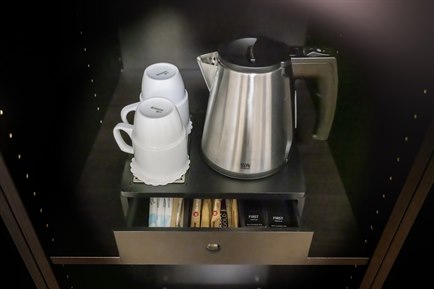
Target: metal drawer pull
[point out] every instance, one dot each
(213, 247)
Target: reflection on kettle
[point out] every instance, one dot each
(250, 116)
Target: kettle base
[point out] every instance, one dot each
(243, 176)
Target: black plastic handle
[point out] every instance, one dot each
(324, 70)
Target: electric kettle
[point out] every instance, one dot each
(251, 111)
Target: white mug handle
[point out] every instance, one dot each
(127, 109)
(128, 128)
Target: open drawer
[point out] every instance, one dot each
(213, 247)
(140, 244)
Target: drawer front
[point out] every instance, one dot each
(207, 247)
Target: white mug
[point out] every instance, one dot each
(163, 79)
(182, 107)
(159, 142)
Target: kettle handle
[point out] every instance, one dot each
(324, 70)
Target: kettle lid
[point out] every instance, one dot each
(254, 54)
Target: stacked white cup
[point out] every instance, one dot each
(163, 80)
(160, 129)
(159, 142)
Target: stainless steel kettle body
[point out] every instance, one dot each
(248, 125)
(248, 128)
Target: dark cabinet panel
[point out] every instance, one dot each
(412, 268)
(14, 273)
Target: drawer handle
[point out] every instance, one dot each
(213, 247)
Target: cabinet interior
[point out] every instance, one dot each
(65, 86)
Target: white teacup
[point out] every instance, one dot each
(182, 107)
(163, 79)
(159, 142)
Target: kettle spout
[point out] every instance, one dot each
(208, 66)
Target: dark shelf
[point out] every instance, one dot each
(203, 182)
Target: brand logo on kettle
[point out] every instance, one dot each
(245, 166)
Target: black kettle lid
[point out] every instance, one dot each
(254, 54)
